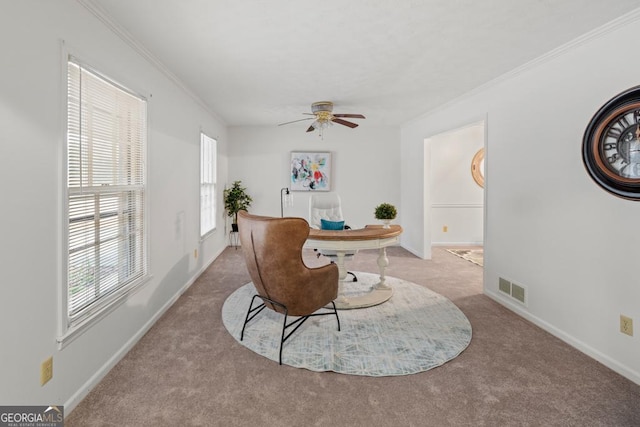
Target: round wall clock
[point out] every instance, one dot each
(611, 145)
(477, 167)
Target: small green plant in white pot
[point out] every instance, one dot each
(385, 212)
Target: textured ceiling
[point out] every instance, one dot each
(263, 62)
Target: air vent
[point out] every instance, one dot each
(504, 286)
(515, 291)
(518, 293)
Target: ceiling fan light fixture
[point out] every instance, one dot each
(320, 125)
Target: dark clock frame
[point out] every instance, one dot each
(593, 157)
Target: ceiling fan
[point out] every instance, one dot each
(323, 117)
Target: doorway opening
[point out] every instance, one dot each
(455, 184)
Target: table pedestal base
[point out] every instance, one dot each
(379, 293)
(346, 241)
(375, 297)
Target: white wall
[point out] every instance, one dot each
(457, 201)
(32, 110)
(365, 171)
(549, 227)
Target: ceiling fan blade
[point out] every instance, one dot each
(350, 116)
(311, 129)
(294, 121)
(344, 122)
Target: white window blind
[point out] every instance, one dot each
(106, 144)
(208, 158)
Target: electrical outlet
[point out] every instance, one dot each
(626, 325)
(46, 371)
(195, 253)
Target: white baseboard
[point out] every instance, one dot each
(414, 252)
(610, 363)
(451, 244)
(95, 379)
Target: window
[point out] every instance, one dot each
(208, 158)
(106, 192)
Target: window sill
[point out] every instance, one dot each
(99, 312)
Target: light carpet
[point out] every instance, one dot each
(475, 256)
(416, 330)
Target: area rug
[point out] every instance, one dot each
(414, 331)
(476, 256)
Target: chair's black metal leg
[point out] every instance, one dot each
(335, 310)
(282, 338)
(247, 319)
(355, 279)
(254, 311)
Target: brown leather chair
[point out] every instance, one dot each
(272, 249)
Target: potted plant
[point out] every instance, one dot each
(236, 199)
(385, 212)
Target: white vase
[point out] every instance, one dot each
(386, 223)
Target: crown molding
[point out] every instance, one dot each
(601, 31)
(128, 38)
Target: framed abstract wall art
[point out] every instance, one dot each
(310, 171)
